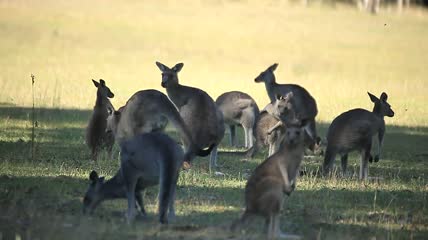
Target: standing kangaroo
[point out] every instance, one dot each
(197, 109)
(265, 188)
(353, 130)
(150, 111)
(96, 135)
(239, 108)
(269, 129)
(304, 104)
(146, 160)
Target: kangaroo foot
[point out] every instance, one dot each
(186, 165)
(376, 158)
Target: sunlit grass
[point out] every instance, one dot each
(338, 54)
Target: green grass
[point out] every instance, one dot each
(42, 199)
(338, 54)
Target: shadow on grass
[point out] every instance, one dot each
(330, 213)
(45, 115)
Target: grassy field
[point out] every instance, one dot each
(337, 53)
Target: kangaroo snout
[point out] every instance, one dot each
(391, 113)
(163, 84)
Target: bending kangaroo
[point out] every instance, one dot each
(353, 130)
(149, 111)
(96, 136)
(265, 188)
(304, 104)
(269, 129)
(146, 160)
(197, 109)
(239, 108)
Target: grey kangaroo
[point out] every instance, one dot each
(239, 108)
(150, 111)
(269, 129)
(197, 109)
(96, 136)
(146, 160)
(264, 192)
(304, 104)
(353, 130)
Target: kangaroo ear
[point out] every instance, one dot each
(373, 98)
(110, 110)
(273, 67)
(162, 67)
(93, 176)
(384, 96)
(95, 83)
(102, 82)
(177, 68)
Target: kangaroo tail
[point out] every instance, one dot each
(205, 152)
(328, 161)
(168, 182)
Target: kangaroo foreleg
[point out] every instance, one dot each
(277, 125)
(288, 184)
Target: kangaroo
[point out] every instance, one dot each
(269, 129)
(115, 188)
(146, 159)
(239, 108)
(197, 109)
(96, 136)
(353, 130)
(150, 111)
(304, 104)
(265, 188)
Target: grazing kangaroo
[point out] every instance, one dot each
(304, 104)
(197, 109)
(146, 160)
(96, 136)
(239, 108)
(265, 188)
(150, 111)
(353, 130)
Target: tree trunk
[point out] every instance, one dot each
(400, 5)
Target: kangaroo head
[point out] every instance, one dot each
(294, 132)
(283, 109)
(267, 76)
(103, 90)
(93, 195)
(113, 120)
(381, 106)
(169, 75)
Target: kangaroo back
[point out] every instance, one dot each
(353, 130)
